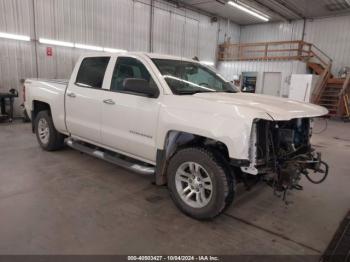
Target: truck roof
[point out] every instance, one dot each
(150, 55)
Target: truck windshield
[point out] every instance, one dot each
(185, 77)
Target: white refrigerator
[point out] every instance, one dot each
(301, 86)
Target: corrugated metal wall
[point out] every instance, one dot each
(331, 35)
(229, 31)
(272, 32)
(123, 24)
(286, 68)
(17, 58)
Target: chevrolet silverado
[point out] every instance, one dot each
(180, 121)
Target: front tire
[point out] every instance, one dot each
(48, 137)
(199, 183)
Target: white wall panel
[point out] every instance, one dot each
(191, 38)
(17, 59)
(331, 35)
(207, 39)
(176, 31)
(141, 27)
(16, 17)
(272, 32)
(287, 68)
(161, 31)
(229, 31)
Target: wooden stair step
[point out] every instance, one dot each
(317, 68)
(326, 97)
(336, 81)
(334, 85)
(335, 94)
(331, 102)
(333, 88)
(328, 103)
(330, 94)
(313, 64)
(329, 106)
(330, 91)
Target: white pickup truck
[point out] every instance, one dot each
(178, 120)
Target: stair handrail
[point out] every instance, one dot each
(318, 56)
(341, 102)
(274, 50)
(326, 61)
(291, 50)
(321, 84)
(345, 85)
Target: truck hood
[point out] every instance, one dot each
(276, 107)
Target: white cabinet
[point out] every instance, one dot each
(301, 86)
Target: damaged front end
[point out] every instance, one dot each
(281, 150)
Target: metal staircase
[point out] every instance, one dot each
(330, 91)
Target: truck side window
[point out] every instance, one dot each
(128, 67)
(92, 71)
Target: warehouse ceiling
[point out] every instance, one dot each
(277, 10)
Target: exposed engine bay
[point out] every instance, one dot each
(283, 149)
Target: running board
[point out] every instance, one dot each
(109, 157)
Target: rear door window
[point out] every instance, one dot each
(92, 71)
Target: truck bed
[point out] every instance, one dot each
(56, 81)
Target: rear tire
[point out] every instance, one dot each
(48, 137)
(199, 183)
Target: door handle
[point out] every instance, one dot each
(109, 101)
(71, 94)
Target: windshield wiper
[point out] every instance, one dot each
(191, 92)
(227, 91)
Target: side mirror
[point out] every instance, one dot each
(139, 86)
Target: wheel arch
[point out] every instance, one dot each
(37, 107)
(176, 140)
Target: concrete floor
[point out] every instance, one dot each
(69, 203)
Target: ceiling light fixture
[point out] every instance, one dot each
(81, 46)
(14, 37)
(113, 50)
(248, 10)
(88, 47)
(54, 42)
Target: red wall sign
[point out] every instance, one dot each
(49, 51)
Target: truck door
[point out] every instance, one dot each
(129, 120)
(83, 99)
